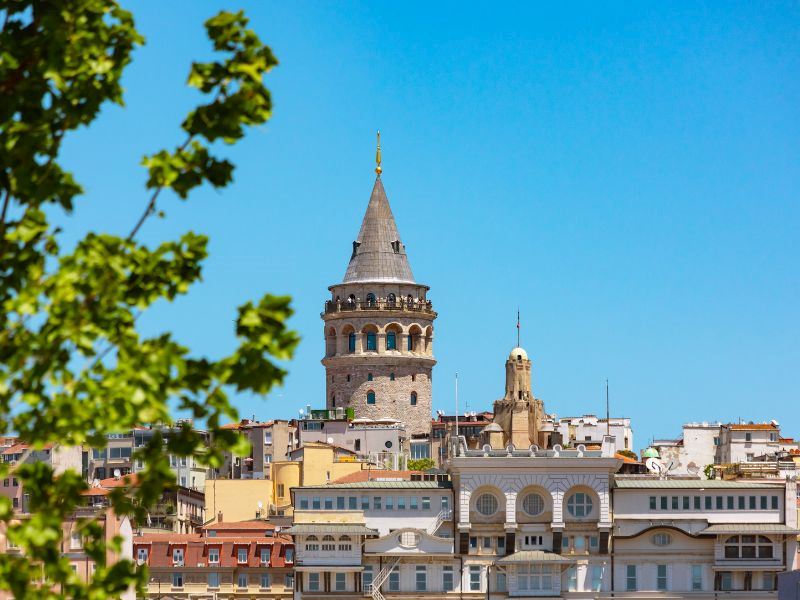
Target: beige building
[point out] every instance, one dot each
(379, 328)
(270, 442)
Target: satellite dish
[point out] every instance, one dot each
(260, 504)
(693, 468)
(672, 464)
(330, 440)
(654, 465)
(117, 473)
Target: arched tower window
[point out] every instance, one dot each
(391, 376)
(391, 299)
(370, 397)
(370, 299)
(369, 376)
(372, 341)
(391, 341)
(351, 342)
(413, 398)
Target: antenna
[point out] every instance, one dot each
(518, 327)
(608, 413)
(378, 169)
(456, 411)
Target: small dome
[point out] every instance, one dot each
(650, 453)
(492, 427)
(518, 354)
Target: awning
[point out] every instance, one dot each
(749, 567)
(342, 528)
(762, 528)
(533, 556)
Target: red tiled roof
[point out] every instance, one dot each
(626, 459)
(95, 492)
(22, 446)
(367, 475)
(123, 481)
(196, 549)
(760, 426)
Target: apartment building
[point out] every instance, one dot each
(58, 457)
(589, 429)
(241, 560)
(270, 441)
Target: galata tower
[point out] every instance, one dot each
(379, 327)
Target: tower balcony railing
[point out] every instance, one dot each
(401, 304)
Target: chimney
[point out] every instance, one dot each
(219, 517)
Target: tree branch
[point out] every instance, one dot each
(151, 205)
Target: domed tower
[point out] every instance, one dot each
(379, 327)
(519, 413)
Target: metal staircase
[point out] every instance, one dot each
(444, 515)
(375, 587)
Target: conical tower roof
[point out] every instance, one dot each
(378, 254)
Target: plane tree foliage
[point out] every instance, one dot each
(73, 365)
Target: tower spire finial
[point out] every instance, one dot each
(378, 169)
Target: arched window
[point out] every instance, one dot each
(486, 504)
(533, 504)
(370, 299)
(410, 300)
(370, 397)
(372, 341)
(369, 376)
(748, 546)
(391, 299)
(351, 299)
(311, 544)
(413, 398)
(351, 342)
(345, 544)
(327, 543)
(410, 342)
(391, 376)
(579, 505)
(391, 341)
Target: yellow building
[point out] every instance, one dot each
(314, 463)
(238, 499)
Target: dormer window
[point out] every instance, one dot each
(396, 246)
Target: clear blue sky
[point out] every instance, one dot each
(628, 175)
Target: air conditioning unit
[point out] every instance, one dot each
(177, 563)
(201, 564)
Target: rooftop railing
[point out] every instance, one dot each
(401, 304)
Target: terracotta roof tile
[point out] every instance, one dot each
(255, 525)
(753, 426)
(367, 475)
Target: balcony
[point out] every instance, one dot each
(399, 305)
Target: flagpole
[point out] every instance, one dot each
(518, 327)
(608, 413)
(456, 412)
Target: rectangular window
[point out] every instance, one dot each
(328, 503)
(774, 503)
(389, 503)
(352, 503)
(719, 502)
(177, 556)
(768, 580)
(75, 540)
(708, 502)
(241, 555)
(501, 545)
(741, 503)
(316, 503)
(697, 578)
(414, 503)
(653, 503)
(725, 580)
(265, 583)
(697, 502)
(280, 490)
(213, 580)
(730, 502)
(213, 555)
(447, 579)
(401, 503)
(141, 555)
(473, 543)
(289, 558)
(177, 580)
(394, 580)
(340, 583)
(421, 580)
(534, 577)
(597, 578)
(686, 505)
(265, 555)
(313, 582)
(630, 578)
(675, 503)
(366, 578)
(748, 437)
(763, 503)
(487, 543)
(376, 503)
(500, 582)
(426, 503)
(371, 342)
(474, 578)
(351, 342)
(661, 577)
(339, 502)
(364, 502)
(663, 503)
(752, 502)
